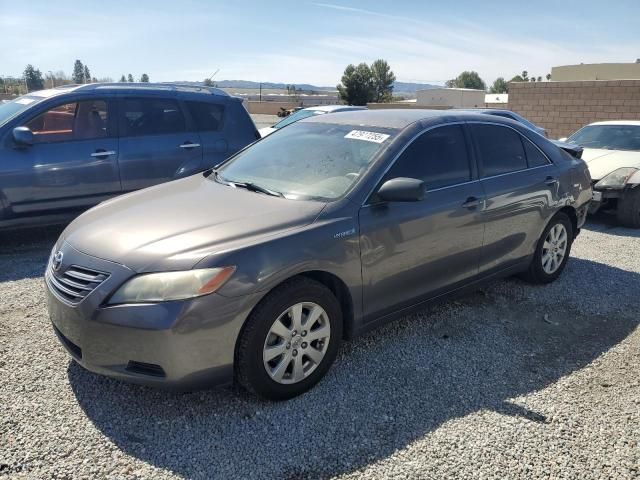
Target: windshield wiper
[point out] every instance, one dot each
(252, 187)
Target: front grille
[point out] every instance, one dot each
(74, 283)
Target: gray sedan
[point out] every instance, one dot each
(258, 270)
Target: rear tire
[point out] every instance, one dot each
(290, 340)
(629, 208)
(552, 251)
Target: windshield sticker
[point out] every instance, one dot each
(25, 101)
(367, 136)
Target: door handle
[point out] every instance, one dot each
(103, 153)
(188, 145)
(550, 181)
(471, 203)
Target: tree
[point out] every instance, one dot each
(467, 80)
(78, 72)
(356, 87)
(548, 77)
(87, 75)
(382, 78)
(532, 79)
(208, 82)
(130, 78)
(144, 78)
(123, 78)
(499, 86)
(539, 79)
(525, 76)
(33, 77)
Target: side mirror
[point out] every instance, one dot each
(402, 189)
(563, 139)
(23, 136)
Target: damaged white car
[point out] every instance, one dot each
(612, 152)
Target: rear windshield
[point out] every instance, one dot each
(609, 137)
(299, 115)
(308, 160)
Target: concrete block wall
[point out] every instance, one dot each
(564, 107)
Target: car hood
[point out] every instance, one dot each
(602, 162)
(175, 225)
(266, 131)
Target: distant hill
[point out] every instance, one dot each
(405, 87)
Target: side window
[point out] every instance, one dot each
(207, 116)
(500, 149)
(72, 121)
(438, 157)
(150, 116)
(535, 158)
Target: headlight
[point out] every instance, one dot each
(617, 179)
(160, 287)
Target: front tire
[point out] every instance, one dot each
(628, 212)
(290, 340)
(552, 251)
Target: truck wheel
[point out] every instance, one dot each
(290, 340)
(629, 208)
(552, 251)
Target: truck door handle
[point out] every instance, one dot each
(103, 153)
(471, 203)
(188, 145)
(550, 181)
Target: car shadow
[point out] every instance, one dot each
(607, 222)
(24, 252)
(387, 389)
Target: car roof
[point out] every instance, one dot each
(617, 122)
(402, 118)
(128, 87)
(334, 108)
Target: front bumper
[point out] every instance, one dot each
(603, 197)
(182, 344)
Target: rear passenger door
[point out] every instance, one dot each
(521, 191)
(157, 143)
(209, 119)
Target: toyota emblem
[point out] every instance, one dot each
(57, 261)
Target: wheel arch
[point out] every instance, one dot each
(571, 212)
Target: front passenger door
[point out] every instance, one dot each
(411, 251)
(155, 144)
(72, 164)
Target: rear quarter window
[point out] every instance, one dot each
(208, 117)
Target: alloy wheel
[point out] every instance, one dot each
(296, 343)
(554, 248)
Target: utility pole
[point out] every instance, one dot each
(260, 91)
(53, 84)
(26, 87)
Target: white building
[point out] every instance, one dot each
(451, 97)
(496, 98)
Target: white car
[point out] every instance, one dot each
(307, 112)
(612, 152)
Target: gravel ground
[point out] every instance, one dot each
(512, 381)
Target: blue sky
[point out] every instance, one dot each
(312, 41)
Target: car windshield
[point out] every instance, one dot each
(610, 137)
(317, 161)
(299, 115)
(11, 109)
